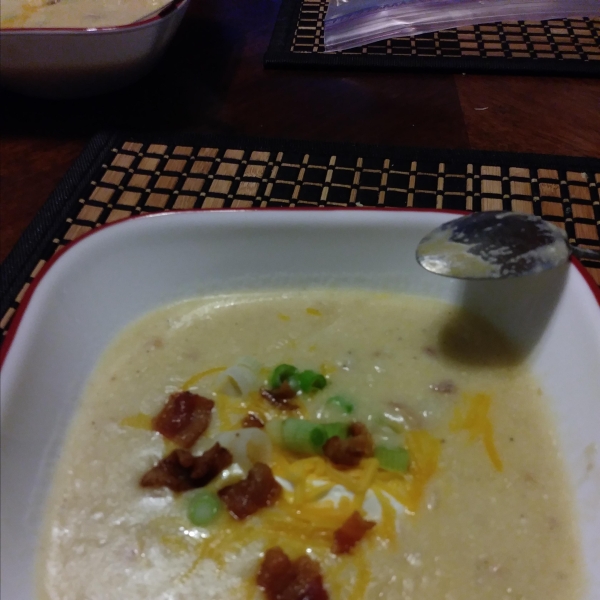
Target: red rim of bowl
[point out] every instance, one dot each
(18, 316)
(168, 9)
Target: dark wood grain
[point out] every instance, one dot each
(212, 80)
(525, 114)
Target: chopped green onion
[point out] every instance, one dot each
(273, 430)
(343, 403)
(335, 429)
(309, 381)
(280, 374)
(308, 437)
(294, 382)
(305, 381)
(241, 378)
(393, 459)
(302, 436)
(203, 508)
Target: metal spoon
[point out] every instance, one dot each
(496, 245)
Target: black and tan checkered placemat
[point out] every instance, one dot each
(120, 175)
(557, 47)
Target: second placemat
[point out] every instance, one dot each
(557, 47)
(120, 175)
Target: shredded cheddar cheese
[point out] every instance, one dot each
(475, 419)
(314, 312)
(194, 379)
(169, 446)
(387, 525)
(139, 421)
(362, 580)
(229, 413)
(424, 452)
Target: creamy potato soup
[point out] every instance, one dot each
(375, 445)
(75, 13)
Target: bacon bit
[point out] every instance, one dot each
(181, 470)
(281, 397)
(350, 533)
(275, 573)
(430, 351)
(258, 490)
(444, 387)
(252, 420)
(349, 452)
(184, 418)
(282, 579)
(172, 471)
(210, 464)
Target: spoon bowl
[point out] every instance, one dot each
(496, 245)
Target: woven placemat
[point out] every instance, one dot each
(556, 47)
(120, 175)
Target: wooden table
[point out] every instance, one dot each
(212, 80)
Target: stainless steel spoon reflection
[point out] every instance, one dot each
(496, 245)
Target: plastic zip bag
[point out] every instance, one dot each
(351, 23)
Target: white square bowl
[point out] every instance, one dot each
(120, 272)
(76, 63)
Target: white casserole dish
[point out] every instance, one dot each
(71, 63)
(120, 272)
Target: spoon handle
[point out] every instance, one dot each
(588, 253)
